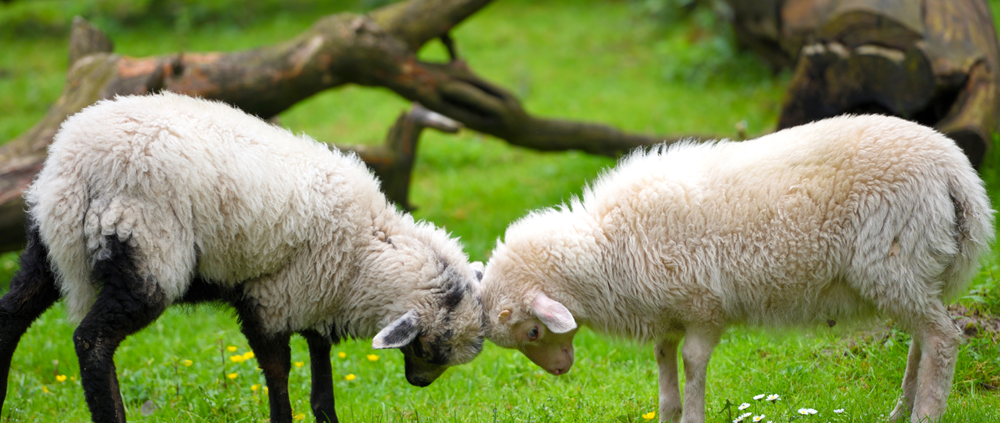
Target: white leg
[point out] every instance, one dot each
(939, 351)
(670, 394)
(697, 350)
(905, 404)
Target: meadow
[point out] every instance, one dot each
(604, 61)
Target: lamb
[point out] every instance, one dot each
(844, 219)
(148, 201)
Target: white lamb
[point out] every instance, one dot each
(144, 202)
(843, 219)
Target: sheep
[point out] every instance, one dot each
(148, 201)
(844, 219)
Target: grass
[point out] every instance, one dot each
(588, 60)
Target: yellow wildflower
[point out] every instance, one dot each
(248, 355)
(372, 357)
(350, 377)
(187, 363)
(300, 416)
(46, 390)
(237, 358)
(265, 390)
(342, 354)
(231, 348)
(233, 375)
(649, 416)
(255, 387)
(299, 364)
(61, 378)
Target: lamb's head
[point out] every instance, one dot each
(444, 324)
(522, 316)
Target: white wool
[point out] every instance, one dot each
(200, 188)
(840, 220)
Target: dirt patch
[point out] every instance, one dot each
(974, 324)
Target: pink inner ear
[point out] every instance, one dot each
(553, 314)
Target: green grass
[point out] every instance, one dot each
(587, 60)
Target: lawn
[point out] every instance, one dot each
(605, 61)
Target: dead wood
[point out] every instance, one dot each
(377, 49)
(936, 62)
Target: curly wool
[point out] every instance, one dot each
(202, 189)
(841, 219)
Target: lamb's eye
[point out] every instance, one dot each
(422, 350)
(533, 333)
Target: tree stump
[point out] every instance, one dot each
(936, 62)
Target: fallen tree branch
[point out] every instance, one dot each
(378, 49)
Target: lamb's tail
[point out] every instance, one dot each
(58, 205)
(974, 231)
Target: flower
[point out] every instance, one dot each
(231, 348)
(299, 364)
(372, 357)
(255, 387)
(649, 416)
(248, 355)
(237, 358)
(300, 416)
(758, 418)
(46, 390)
(807, 411)
(61, 378)
(839, 410)
(342, 354)
(187, 363)
(773, 397)
(741, 417)
(233, 375)
(759, 397)
(744, 406)
(265, 390)
(350, 377)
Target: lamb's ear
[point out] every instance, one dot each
(478, 269)
(398, 333)
(555, 315)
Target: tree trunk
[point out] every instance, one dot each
(936, 62)
(377, 49)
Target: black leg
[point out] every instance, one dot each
(127, 303)
(322, 377)
(274, 357)
(32, 291)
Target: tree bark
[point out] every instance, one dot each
(377, 49)
(936, 62)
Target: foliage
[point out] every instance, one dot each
(52, 17)
(589, 60)
(700, 45)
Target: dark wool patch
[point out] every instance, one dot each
(453, 296)
(32, 291)
(401, 332)
(128, 301)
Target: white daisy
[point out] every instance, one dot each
(839, 410)
(744, 406)
(807, 411)
(759, 397)
(773, 397)
(758, 418)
